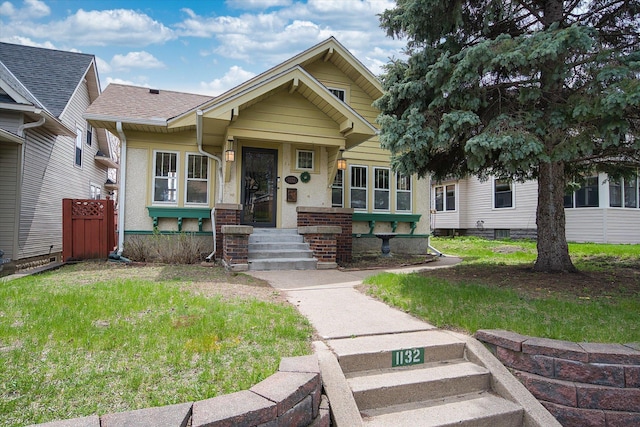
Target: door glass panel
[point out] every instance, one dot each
(259, 171)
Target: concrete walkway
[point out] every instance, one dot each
(337, 310)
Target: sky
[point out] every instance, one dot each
(197, 46)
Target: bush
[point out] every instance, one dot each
(179, 248)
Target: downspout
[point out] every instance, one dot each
(123, 186)
(21, 133)
(219, 179)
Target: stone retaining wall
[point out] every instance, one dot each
(583, 385)
(290, 397)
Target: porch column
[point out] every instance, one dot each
(342, 217)
(226, 214)
(235, 253)
(322, 240)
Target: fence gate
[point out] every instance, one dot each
(88, 229)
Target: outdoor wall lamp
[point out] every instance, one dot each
(342, 163)
(230, 154)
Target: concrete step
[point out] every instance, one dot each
(393, 386)
(273, 246)
(272, 231)
(270, 238)
(376, 352)
(472, 410)
(280, 253)
(282, 264)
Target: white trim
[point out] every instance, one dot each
(365, 188)
(177, 179)
(401, 191)
(493, 194)
(79, 138)
(376, 189)
(313, 159)
(187, 179)
(341, 187)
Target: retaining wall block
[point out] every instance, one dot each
(550, 390)
(610, 398)
(611, 353)
(590, 373)
(507, 339)
(167, 416)
(577, 417)
(535, 364)
(243, 408)
(287, 389)
(91, 421)
(555, 348)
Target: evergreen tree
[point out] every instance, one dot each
(520, 90)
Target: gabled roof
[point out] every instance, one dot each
(140, 105)
(50, 76)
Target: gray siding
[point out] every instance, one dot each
(10, 121)
(8, 185)
(51, 175)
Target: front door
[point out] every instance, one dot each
(260, 182)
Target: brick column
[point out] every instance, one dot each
(235, 253)
(322, 240)
(341, 217)
(225, 214)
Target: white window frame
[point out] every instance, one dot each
(78, 147)
(365, 188)
(445, 204)
(404, 191)
(89, 134)
(95, 191)
(154, 177)
(378, 190)
(187, 179)
(338, 187)
(313, 159)
(493, 194)
(333, 91)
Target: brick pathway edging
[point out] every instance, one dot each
(581, 384)
(292, 397)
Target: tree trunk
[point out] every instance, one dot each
(553, 251)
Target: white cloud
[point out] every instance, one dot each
(140, 59)
(25, 41)
(235, 76)
(31, 9)
(100, 28)
(7, 9)
(143, 82)
(103, 66)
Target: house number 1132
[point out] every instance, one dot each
(409, 356)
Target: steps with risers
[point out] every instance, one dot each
(279, 249)
(435, 384)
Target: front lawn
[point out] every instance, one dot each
(97, 338)
(495, 288)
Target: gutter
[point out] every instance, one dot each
(219, 179)
(21, 133)
(123, 186)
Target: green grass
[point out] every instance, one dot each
(76, 342)
(471, 304)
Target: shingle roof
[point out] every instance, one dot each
(50, 75)
(133, 102)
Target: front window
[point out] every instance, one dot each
(358, 187)
(197, 179)
(631, 192)
(304, 159)
(381, 188)
(165, 177)
(403, 192)
(587, 195)
(337, 190)
(503, 194)
(78, 152)
(623, 192)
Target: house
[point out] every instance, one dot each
(47, 150)
(296, 146)
(601, 210)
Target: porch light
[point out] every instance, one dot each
(342, 163)
(230, 154)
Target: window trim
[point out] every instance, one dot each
(89, 137)
(400, 191)
(313, 159)
(366, 188)
(493, 194)
(376, 189)
(79, 148)
(187, 179)
(445, 207)
(153, 179)
(98, 187)
(340, 187)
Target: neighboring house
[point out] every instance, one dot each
(48, 151)
(600, 211)
(273, 146)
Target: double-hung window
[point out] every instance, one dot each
(197, 184)
(165, 178)
(358, 189)
(587, 195)
(78, 151)
(337, 190)
(445, 197)
(89, 134)
(403, 193)
(623, 192)
(502, 193)
(381, 189)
